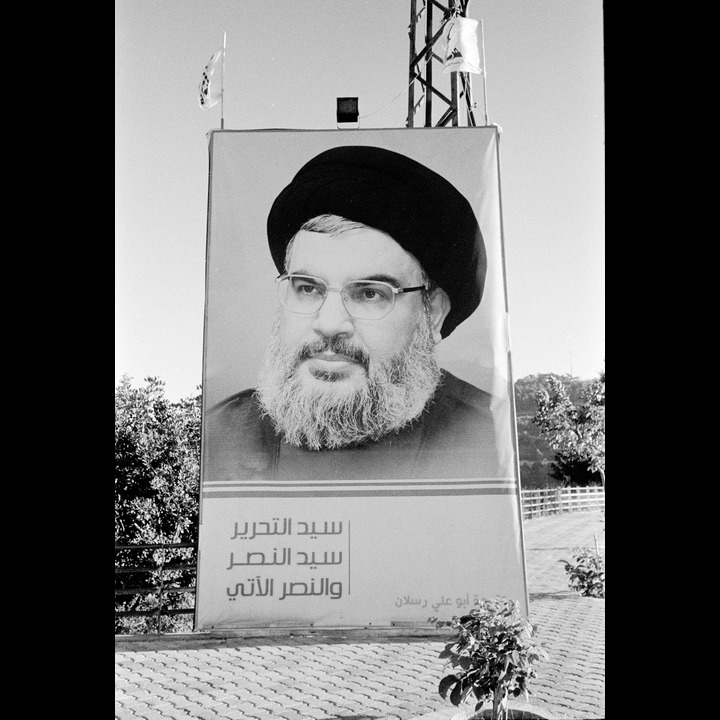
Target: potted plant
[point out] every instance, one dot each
(493, 655)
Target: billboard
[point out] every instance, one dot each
(358, 464)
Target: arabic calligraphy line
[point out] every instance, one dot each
(286, 558)
(257, 529)
(333, 589)
(262, 591)
(313, 529)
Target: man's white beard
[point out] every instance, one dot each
(321, 414)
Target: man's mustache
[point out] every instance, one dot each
(336, 345)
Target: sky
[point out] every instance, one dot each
(287, 61)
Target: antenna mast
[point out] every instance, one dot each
(421, 66)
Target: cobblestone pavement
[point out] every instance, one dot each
(331, 676)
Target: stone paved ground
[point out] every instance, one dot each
(331, 677)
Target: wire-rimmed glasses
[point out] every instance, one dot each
(363, 299)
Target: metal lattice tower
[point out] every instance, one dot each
(421, 66)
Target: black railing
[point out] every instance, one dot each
(152, 579)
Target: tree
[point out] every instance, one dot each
(575, 432)
(157, 465)
(526, 388)
(574, 473)
(538, 474)
(157, 471)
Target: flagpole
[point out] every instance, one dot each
(484, 70)
(222, 88)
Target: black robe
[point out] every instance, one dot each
(453, 438)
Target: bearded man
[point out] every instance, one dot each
(380, 258)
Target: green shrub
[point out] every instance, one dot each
(587, 572)
(494, 654)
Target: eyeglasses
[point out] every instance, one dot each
(363, 299)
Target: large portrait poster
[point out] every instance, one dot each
(359, 464)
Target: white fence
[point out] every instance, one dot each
(550, 501)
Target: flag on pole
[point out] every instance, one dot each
(208, 99)
(461, 49)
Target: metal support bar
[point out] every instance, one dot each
(411, 86)
(154, 589)
(451, 112)
(429, 66)
(436, 91)
(148, 613)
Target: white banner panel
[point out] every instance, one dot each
(392, 530)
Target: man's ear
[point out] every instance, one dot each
(439, 308)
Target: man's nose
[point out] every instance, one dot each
(332, 318)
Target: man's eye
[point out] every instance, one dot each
(371, 294)
(304, 287)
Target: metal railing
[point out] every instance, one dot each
(161, 573)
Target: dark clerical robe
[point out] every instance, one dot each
(453, 438)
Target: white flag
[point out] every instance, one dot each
(461, 49)
(208, 99)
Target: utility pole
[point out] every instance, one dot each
(421, 66)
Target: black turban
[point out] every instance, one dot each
(387, 191)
